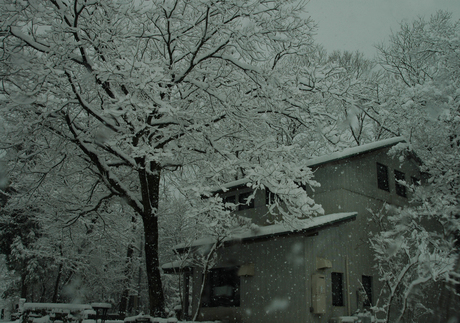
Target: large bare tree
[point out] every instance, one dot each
(134, 89)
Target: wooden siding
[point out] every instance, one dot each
(359, 175)
(280, 290)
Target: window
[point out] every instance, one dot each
(400, 188)
(243, 200)
(230, 199)
(454, 141)
(367, 285)
(269, 197)
(382, 177)
(456, 235)
(222, 288)
(337, 289)
(415, 181)
(457, 284)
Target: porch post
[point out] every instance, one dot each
(186, 295)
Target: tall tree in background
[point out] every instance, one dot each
(129, 90)
(419, 245)
(19, 230)
(57, 261)
(333, 93)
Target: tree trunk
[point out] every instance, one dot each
(156, 297)
(123, 307)
(56, 285)
(205, 277)
(150, 186)
(43, 294)
(23, 286)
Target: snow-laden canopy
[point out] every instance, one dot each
(346, 153)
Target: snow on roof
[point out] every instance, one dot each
(305, 225)
(101, 305)
(276, 229)
(177, 264)
(350, 152)
(346, 153)
(55, 306)
(226, 186)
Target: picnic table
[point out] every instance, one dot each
(101, 310)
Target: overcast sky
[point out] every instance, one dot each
(360, 24)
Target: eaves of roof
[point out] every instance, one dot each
(305, 227)
(317, 161)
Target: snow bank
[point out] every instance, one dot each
(57, 306)
(150, 319)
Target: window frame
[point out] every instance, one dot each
(337, 289)
(221, 277)
(383, 180)
(367, 286)
(269, 197)
(242, 201)
(415, 181)
(230, 199)
(400, 188)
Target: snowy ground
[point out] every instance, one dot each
(46, 319)
(153, 320)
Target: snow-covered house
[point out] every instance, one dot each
(320, 271)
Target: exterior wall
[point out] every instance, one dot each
(280, 290)
(258, 214)
(359, 175)
(351, 185)
(275, 286)
(341, 181)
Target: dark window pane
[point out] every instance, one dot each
(382, 177)
(367, 285)
(242, 200)
(400, 188)
(269, 197)
(337, 289)
(230, 199)
(457, 286)
(454, 141)
(222, 288)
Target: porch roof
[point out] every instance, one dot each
(275, 230)
(177, 266)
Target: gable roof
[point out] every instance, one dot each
(354, 151)
(346, 153)
(277, 230)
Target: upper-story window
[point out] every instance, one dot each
(400, 188)
(269, 197)
(243, 201)
(382, 177)
(230, 199)
(240, 200)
